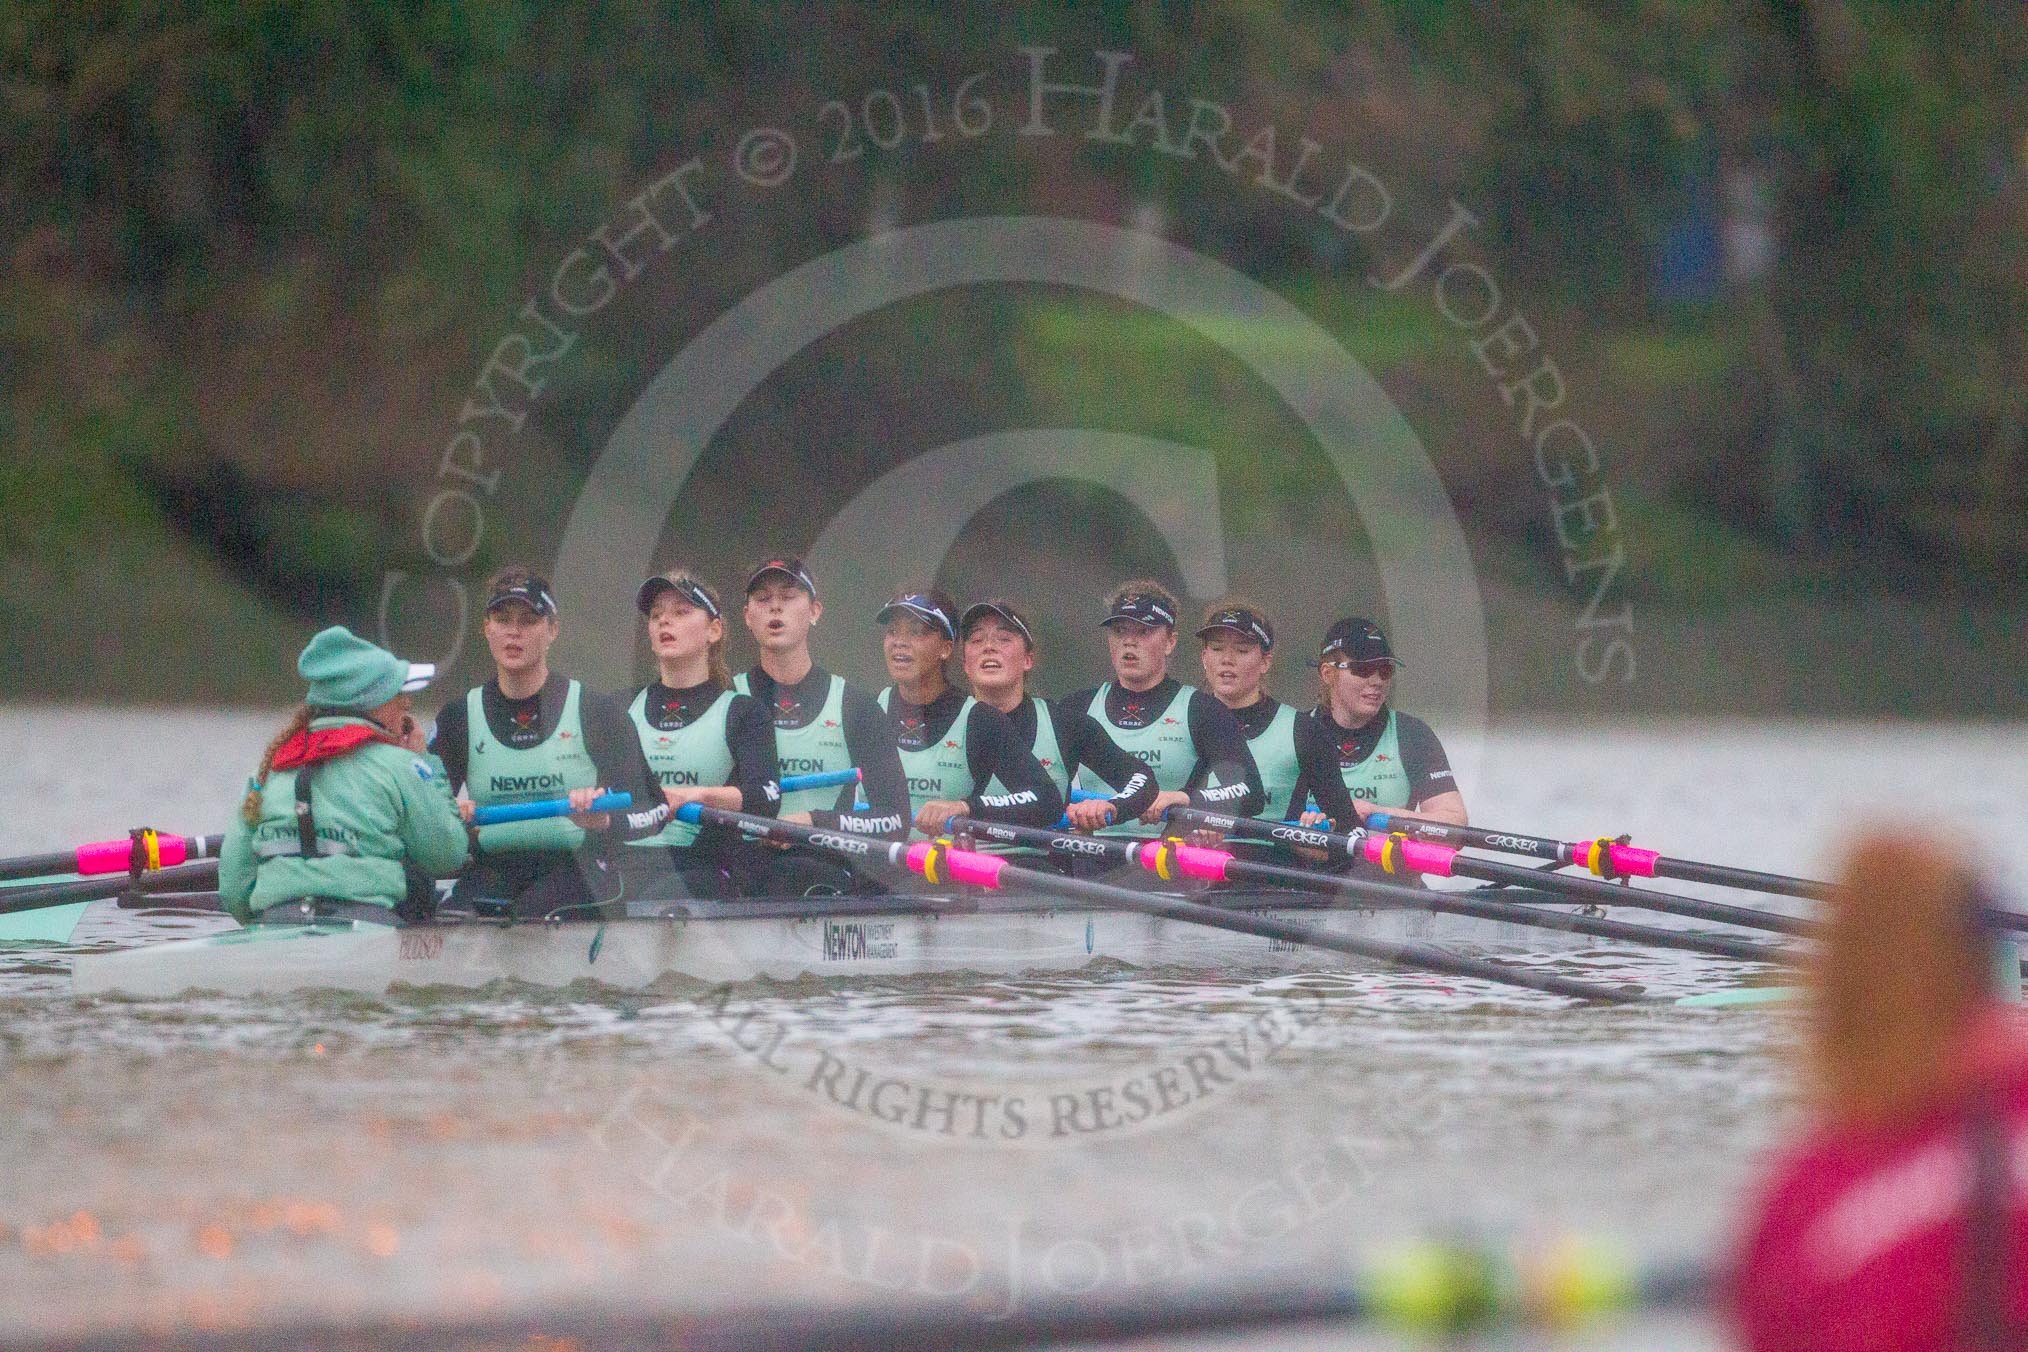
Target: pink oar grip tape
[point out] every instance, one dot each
(1632, 862)
(1398, 854)
(117, 856)
(1191, 861)
(939, 863)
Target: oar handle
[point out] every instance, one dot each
(823, 779)
(493, 814)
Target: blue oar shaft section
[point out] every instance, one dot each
(826, 780)
(495, 813)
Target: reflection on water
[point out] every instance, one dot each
(1005, 1139)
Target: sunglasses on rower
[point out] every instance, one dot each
(1363, 670)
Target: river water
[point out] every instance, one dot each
(257, 1160)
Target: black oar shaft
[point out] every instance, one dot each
(1746, 879)
(1240, 922)
(38, 865)
(1539, 847)
(1489, 908)
(199, 875)
(1582, 889)
(114, 856)
(1614, 894)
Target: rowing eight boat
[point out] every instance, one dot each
(780, 939)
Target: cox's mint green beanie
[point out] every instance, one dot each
(344, 671)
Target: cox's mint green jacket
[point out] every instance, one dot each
(376, 807)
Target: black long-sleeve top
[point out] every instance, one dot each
(869, 740)
(992, 750)
(1214, 733)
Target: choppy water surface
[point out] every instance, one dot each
(258, 1159)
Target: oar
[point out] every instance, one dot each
(1397, 854)
(1430, 1291)
(137, 852)
(1093, 795)
(1168, 862)
(495, 813)
(823, 779)
(942, 862)
(203, 874)
(1605, 858)
(939, 862)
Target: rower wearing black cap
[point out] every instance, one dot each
(999, 648)
(530, 734)
(1191, 741)
(1363, 755)
(822, 723)
(706, 743)
(1239, 647)
(959, 754)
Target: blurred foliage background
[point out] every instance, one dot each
(256, 252)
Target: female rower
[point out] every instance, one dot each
(1191, 741)
(959, 754)
(1900, 1220)
(706, 743)
(999, 654)
(366, 842)
(1361, 755)
(530, 734)
(1239, 651)
(822, 724)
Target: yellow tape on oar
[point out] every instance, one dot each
(144, 855)
(1574, 1280)
(934, 858)
(1386, 852)
(1596, 855)
(1450, 1288)
(1165, 859)
(1439, 1288)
